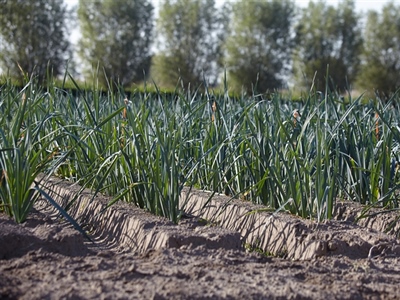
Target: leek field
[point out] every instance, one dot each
(296, 156)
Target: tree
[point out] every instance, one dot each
(381, 56)
(33, 35)
(188, 33)
(327, 36)
(116, 36)
(257, 49)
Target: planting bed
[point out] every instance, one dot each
(138, 255)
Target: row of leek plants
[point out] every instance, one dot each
(296, 156)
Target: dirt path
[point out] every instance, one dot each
(47, 259)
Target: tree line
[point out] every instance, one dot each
(256, 45)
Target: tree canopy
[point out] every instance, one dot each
(381, 56)
(327, 36)
(188, 42)
(116, 36)
(33, 37)
(261, 45)
(257, 49)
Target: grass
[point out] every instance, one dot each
(145, 149)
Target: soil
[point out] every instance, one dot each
(201, 258)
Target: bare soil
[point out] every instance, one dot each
(201, 258)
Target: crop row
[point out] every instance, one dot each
(299, 157)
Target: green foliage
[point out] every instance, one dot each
(258, 46)
(326, 35)
(33, 37)
(381, 55)
(26, 143)
(188, 42)
(254, 148)
(116, 36)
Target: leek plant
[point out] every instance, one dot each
(26, 149)
(145, 147)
